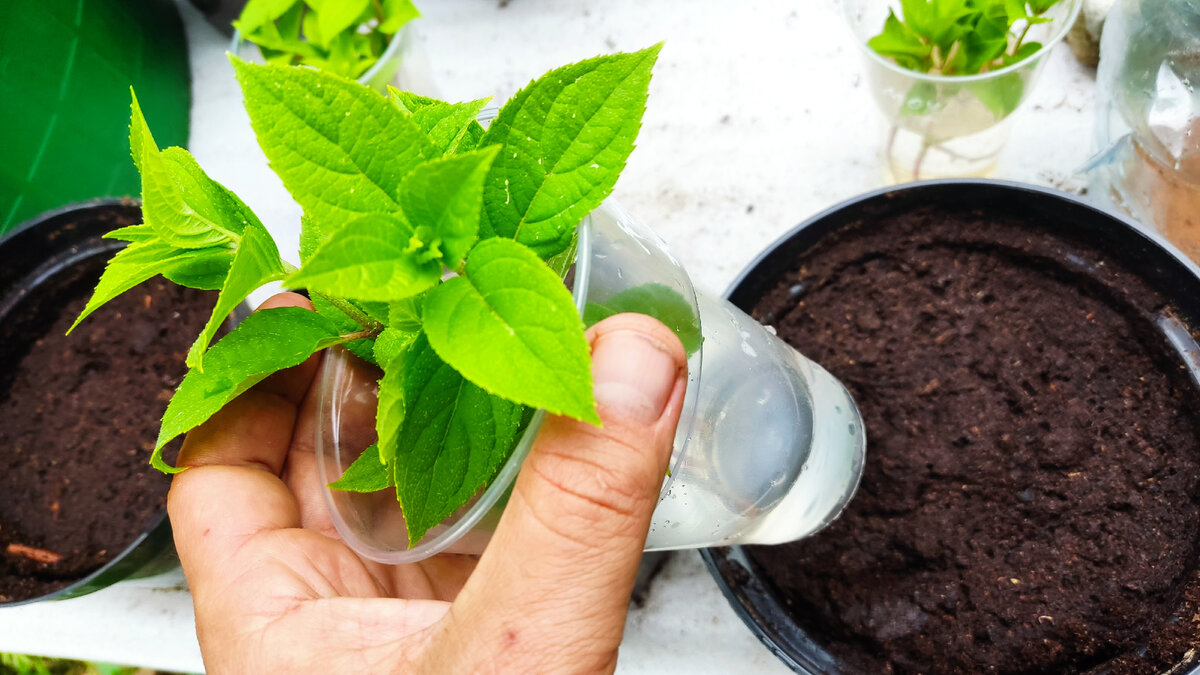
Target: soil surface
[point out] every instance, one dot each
(1030, 499)
(80, 416)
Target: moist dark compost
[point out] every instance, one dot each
(80, 417)
(1030, 498)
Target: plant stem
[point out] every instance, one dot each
(916, 171)
(1021, 38)
(349, 309)
(378, 10)
(360, 334)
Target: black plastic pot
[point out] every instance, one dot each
(1157, 262)
(39, 254)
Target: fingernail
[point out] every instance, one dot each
(633, 376)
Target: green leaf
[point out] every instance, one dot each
(1042, 6)
(255, 263)
(445, 196)
(185, 207)
(510, 326)
(336, 17)
(390, 414)
(267, 341)
(205, 272)
(901, 43)
(661, 302)
(397, 13)
(985, 44)
(1001, 95)
(1023, 52)
(566, 138)
(340, 148)
(259, 12)
(453, 440)
(921, 98)
(365, 474)
(469, 140)
(140, 261)
(363, 348)
(375, 257)
(402, 325)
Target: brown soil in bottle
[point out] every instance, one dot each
(80, 416)
(1031, 497)
(1165, 196)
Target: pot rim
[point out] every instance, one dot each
(754, 603)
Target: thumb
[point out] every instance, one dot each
(553, 587)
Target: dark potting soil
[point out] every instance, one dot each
(1031, 497)
(80, 416)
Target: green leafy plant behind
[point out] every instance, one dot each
(960, 37)
(345, 37)
(429, 246)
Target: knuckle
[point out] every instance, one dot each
(605, 495)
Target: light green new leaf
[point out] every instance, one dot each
(397, 13)
(259, 12)
(340, 147)
(661, 302)
(445, 123)
(132, 233)
(453, 440)
(566, 138)
(445, 196)
(510, 326)
(142, 260)
(336, 17)
(267, 341)
(375, 257)
(185, 207)
(256, 262)
(410, 102)
(365, 474)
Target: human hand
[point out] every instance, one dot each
(275, 589)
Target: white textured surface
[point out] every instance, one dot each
(758, 118)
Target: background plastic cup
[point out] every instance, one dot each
(942, 126)
(402, 64)
(769, 446)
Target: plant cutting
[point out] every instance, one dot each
(1026, 367)
(430, 247)
(948, 75)
(345, 37)
(435, 249)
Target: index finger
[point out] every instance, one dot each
(232, 488)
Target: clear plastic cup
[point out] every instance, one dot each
(943, 126)
(769, 446)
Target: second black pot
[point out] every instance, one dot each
(750, 592)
